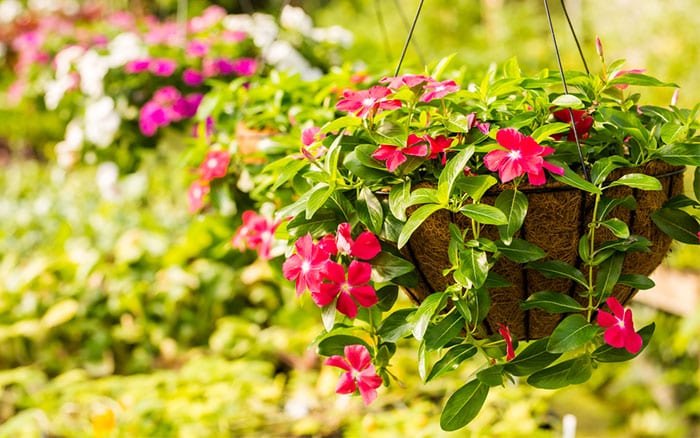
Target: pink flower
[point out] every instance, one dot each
(365, 102)
(215, 165)
(310, 135)
(245, 66)
(504, 331)
(409, 80)
(582, 123)
(233, 36)
(151, 117)
(162, 67)
(522, 155)
(305, 266)
(438, 145)
(167, 95)
(137, 65)
(360, 373)
(197, 49)
(348, 289)
(195, 195)
(438, 90)
(192, 77)
(257, 233)
(619, 73)
(395, 155)
(619, 328)
(365, 247)
(186, 107)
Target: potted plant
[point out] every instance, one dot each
(518, 218)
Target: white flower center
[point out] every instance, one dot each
(514, 155)
(367, 102)
(305, 266)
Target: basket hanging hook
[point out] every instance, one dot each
(408, 38)
(565, 85)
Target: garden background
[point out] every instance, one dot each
(124, 314)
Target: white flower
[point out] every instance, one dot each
(55, 90)
(294, 18)
(92, 68)
(262, 28)
(9, 10)
(125, 47)
(107, 178)
(283, 56)
(65, 59)
(67, 151)
(334, 35)
(101, 121)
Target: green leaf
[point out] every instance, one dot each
(317, 197)
(514, 205)
(533, 358)
(572, 371)
(572, 179)
(463, 406)
(452, 170)
(475, 267)
(608, 204)
(521, 251)
(438, 335)
(328, 316)
(571, 333)
(491, 376)
(396, 326)
(696, 183)
(568, 101)
(343, 122)
(608, 275)
(398, 199)
(484, 214)
(451, 360)
(558, 269)
(544, 132)
(432, 304)
(415, 220)
(476, 186)
(387, 296)
(680, 154)
(335, 344)
(617, 227)
(677, 224)
(552, 302)
(423, 195)
(639, 79)
(369, 210)
(606, 353)
(602, 168)
(636, 281)
(387, 266)
(638, 181)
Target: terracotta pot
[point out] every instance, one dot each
(248, 141)
(557, 217)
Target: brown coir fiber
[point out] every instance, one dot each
(557, 217)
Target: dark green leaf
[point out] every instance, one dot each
(317, 197)
(491, 376)
(387, 296)
(533, 358)
(463, 406)
(608, 275)
(514, 205)
(572, 179)
(636, 281)
(680, 154)
(433, 304)
(639, 79)
(572, 371)
(415, 220)
(438, 335)
(638, 181)
(451, 360)
(602, 168)
(387, 266)
(571, 333)
(681, 201)
(521, 251)
(474, 267)
(617, 227)
(452, 170)
(335, 344)
(552, 302)
(476, 186)
(485, 214)
(696, 183)
(369, 210)
(558, 269)
(398, 199)
(606, 353)
(608, 204)
(677, 224)
(396, 326)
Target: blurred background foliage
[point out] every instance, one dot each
(122, 315)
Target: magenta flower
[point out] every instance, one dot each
(522, 155)
(162, 67)
(409, 80)
(304, 267)
(151, 117)
(365, 102)
(360, 374)
(394, 156)
(215, 165)
(192, 77)
(504, 331)
(348, 289)
(166, 95)
(186, 107)
(619, 328)
(257, 233)
(245, 66)
(582, 123)
(137, 65)
(195, 195)
(438, 90)
(311, 135)
(438, 145)
(197, 49)
(365, 247)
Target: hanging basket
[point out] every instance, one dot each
(558, 215)
(248, 141)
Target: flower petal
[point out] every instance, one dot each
(346, 305)
(366, 246)
(346, 384)
(365, 295)
(616, 307)
(509, 138)
(358, 356)
(338, 361)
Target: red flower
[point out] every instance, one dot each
(305, 265)
(505, 332)
(348, 290)
(582, 123)
(619, 328)
(365, 247)
(215, 165)
(438, 90)
(438, 145)
(195, 195)
(365, 102)
(395, 155)
(360, 373)
(257, 233)
(523, 155)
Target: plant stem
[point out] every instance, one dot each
(591, 250)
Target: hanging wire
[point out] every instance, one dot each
(566, 90)
(382, 28)
(573, 32)
(416, 47)
(408, 38)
